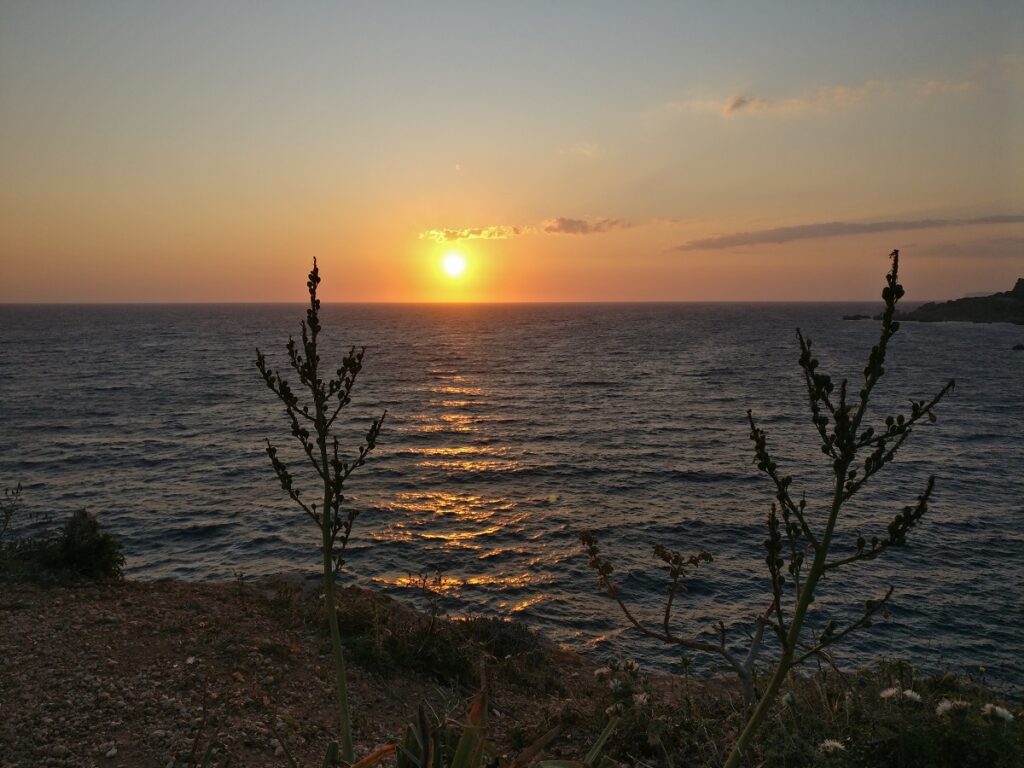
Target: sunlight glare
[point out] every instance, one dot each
(454, 264)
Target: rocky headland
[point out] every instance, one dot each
(1005, 307)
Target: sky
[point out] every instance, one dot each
(567, 151)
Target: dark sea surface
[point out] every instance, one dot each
(512, 427)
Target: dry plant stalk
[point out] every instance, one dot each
(795, 534)
(679, 566)
(10, 504)
(311, 426)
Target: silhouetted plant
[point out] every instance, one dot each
(795, 534)
(311, 425)
(679, 567)
(10, 503)
(81, 548)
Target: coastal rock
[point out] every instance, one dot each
(1006, 307)
(1018, 347)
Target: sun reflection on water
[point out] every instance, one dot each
(450, 390)
(470, 465)
(452, 585)
(440, 517)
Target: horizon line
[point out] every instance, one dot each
(577, 302)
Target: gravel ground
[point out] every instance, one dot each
(117, 675)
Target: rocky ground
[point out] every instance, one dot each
(150, 673)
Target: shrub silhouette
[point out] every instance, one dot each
(86, 550)
(81, 548)
(799, 542)
(311, 425)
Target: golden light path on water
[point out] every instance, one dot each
(459, 520)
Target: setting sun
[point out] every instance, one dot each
(454, 264)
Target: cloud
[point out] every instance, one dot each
(822, 99)
(994, 248)
(500, 232)
(564, 226)
(833, 229)
(738, 103)
(819, 100)
(556, 226)
(585, 149)
(937, 87)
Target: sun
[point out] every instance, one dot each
(454, 264)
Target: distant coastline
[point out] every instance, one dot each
(1005, 307)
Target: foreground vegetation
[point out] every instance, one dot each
(78, 548)
(312, 425)
(803, 537)
(261, 667)
(596, 717)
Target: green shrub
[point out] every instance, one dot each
(387, 638)
(886, 717)
(890, 718)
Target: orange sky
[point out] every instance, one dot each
(198, 153)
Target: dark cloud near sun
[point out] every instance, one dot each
(828, 229)
(564, 226)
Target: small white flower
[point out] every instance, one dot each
(614, 709)
(639, 699)
(993, 710)
(631, 666)
(615, 684)
(948, 705)
(828, 746)
(789, 699)
(602, 672)
(896, 693)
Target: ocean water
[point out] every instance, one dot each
(512, 427)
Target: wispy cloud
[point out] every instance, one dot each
(564, 226)
(739, 103)
(499, 232)
(938, 87)
(556, 226)
(587, 149)
(994, 248)
(833, 229)
(822, 99)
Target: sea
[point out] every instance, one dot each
(509, 429)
